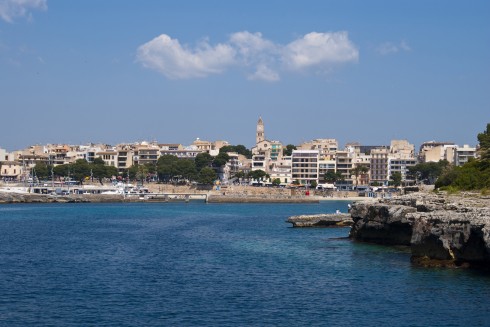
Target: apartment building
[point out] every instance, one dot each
(3, 155)
(401, 166)
(11, 170)
(109, 157)
(433, 151)
(304, 166)
(326, 147)
(210, 147)
(463, 154)
(124, 157)
(325, 166)
(402, 149)
(379, 166)
(146, 154)
(361, 160)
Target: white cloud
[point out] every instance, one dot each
(169, 57)
(11, 9)
(251, 45)
(389, 48)
(251, 51)
(320, 49)
(255, 51)
(264, 73)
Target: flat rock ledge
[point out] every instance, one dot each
(322, 220)
(441, 230)
(44, 198)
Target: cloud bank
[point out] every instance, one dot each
(11, 9)
(262, 59)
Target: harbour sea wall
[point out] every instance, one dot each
(441, 230)
(169, 192)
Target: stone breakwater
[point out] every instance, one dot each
(322, 220)
(441, 230)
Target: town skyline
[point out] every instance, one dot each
(112, 72)
(266, 136)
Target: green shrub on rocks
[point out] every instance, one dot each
(474, 175)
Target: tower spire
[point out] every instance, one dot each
(259, 136)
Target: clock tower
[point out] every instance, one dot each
(259, 137)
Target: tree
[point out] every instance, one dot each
(240, 149)
(221, 159)
(313, 184)
(257, 174)
(166, 167)
(396, 178)
(42, 170)
(202, 160)
(61, 170)
(428, 172)
(186, 168)
(141, 173)
(133, 171)
(110, 171)
(332, 177)
(98, 169)
(484, 139)
(206, 176)
(474, 175)
(288, 150)
(239, 174)
(276, 181)
(359, 170)
(80, 170)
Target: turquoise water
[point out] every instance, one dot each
(215, 265)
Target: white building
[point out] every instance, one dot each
(304, 166)
(463, 154)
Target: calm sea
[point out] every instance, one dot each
(215, 265)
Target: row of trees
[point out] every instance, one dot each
(202, 169)
(168, 168)
(79, 170)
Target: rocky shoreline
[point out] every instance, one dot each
(441, 230)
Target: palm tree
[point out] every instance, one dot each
(359, 170)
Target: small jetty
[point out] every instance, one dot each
(322, 220)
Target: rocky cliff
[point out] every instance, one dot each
(441, 230)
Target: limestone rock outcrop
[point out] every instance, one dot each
(321, 220)
(441, 230)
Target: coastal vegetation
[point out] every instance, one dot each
(428, 172)
(474, 175)
(332, 177)
(170, 168)
(80, 170)
(240, 149)
(396, 179)
(288, 150)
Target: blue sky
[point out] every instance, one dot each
(123, 71)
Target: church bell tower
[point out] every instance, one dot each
(259, 137)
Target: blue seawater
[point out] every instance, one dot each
(196, 264)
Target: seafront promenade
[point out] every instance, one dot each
(153, 192)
